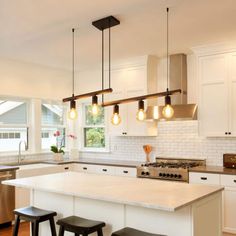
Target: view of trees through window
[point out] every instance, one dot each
(94, 130)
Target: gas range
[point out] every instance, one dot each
(169, 169)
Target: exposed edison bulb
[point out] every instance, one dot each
(94, 109)
(141, 115)
(168, 111)
(115, 119)
(72, 114)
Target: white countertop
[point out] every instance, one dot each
(156, 194)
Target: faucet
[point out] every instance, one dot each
(19, 153)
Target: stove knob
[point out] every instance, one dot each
(179, 176)
(167, 175)
(160, 174)
(142, 173)
(175, 175)
(164, 175)
(147, 173)
(171, 175)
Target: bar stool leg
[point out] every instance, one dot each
(32, 228)
(99, 232)
(52, 226)
(61, 231)
(36, 229)
(16, 226)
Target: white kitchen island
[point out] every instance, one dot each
(169, 208)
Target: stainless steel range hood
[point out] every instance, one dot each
(178, 80)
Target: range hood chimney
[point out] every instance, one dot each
(178, 80)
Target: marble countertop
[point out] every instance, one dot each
(155, 194)
(92, 161)
(8, 168)
(214, 170)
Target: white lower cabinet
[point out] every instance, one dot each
(108, 170)
(228, 199)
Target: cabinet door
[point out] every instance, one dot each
(229, 210)
(214, 118)
(232, 94)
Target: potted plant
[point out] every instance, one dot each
(58, 148)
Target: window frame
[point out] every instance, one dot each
(62, 126)
(83, 126)
(12, 126)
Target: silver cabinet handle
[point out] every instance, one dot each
(5, 176)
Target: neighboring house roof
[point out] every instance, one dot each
(6, 106)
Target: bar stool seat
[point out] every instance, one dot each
(35, 216)
(132, 232)
(78, 226)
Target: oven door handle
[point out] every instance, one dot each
(6, 176)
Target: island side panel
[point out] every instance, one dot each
(207, 216)
(160, 222)
(62, 204)
(111, 213)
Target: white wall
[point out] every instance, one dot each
(30, 80)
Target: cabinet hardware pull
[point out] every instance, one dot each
(229, 132)
(85, 168)
(204, 178)
(226, 133)
(125, 171)
(66, 168)
(235, 181)
(104, 170)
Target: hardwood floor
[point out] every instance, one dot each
(25, 231)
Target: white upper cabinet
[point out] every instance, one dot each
(129, 81)
(217, 107)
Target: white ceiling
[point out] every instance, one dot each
(40, 31)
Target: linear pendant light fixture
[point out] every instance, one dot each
(141, 114)
(102, 24)
(168, 110)
(72, 114)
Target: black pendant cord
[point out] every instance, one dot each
(167, 46)
(102, 64)
(109, 54)
(73, 62)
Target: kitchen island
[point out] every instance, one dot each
(164, 207)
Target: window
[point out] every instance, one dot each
(13, 124)
(52, 120)
(94, 129)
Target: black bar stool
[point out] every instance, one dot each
(80, 226)
(132, 232)
(35, 216)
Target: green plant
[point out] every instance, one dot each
(55, 149)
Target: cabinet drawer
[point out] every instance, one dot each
(106, 170)
(228, 180)
(85, 168)
(126, 171)
(204, 178)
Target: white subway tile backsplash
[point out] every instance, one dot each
(175, 139)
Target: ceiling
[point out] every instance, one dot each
(40, 31)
